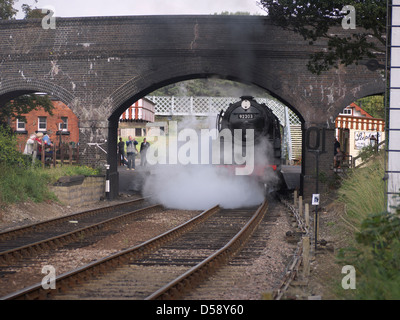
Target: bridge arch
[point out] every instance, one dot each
(10, 89)
(358, 91)
(138, 87)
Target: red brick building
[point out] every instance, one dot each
(62, 126)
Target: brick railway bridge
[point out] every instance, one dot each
(99, 66)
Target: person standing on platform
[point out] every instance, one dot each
(131, 152)
(143, 150)
(121, 152)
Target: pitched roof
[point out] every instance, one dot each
(361, 110)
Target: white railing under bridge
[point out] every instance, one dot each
(211, 106)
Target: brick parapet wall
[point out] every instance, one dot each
(80, 193)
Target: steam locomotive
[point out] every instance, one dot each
(248, 114)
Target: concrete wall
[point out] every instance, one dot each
(79, 190)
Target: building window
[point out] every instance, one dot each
(42, 124)
(21, 125)
(63, 126)
(347, 112)
(138, 132)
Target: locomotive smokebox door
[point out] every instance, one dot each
(246, 104)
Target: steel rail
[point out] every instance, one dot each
(62, 239)
(74, 277)
(5, 235)
(177, 287)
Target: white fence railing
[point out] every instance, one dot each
(208, 106)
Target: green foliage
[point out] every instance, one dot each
(374, 105)
(363, 192)
(367, 152)
(69, 170)
(208, 87)
(314, 19)
(24, 104)
(21, 181)
(376, 258)
(376, 251)
(6, 9)
(18, 184)
(9, 156)
(379, 231)
(32, 13)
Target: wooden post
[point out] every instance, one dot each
(301, 206)
(70, 154)
(295, 198)
(307, 215)
(62, 153)
(54, 155)
(306, 256)
(43, 154)
(316, 229)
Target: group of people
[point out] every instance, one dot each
(36, 152)
(131, 152)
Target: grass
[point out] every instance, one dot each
(363, 192)
(19, 184)
(375, 251)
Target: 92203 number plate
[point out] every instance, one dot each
(246, 116)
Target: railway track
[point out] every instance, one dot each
(161, 268)
(43, 236)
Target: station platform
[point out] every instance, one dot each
(131, 181)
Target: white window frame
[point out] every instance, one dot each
(63, 126)
(41, 122)
(20, 122)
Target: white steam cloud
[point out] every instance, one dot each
(202, 186)
(199, 187)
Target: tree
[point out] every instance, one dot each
(24, 104)
(374, 105)
(7, 10)
(32, 13)
(314, 20)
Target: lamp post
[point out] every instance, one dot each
(373, 143)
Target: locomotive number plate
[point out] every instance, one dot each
(246, 116)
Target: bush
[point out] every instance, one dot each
(21, 181)
(9, 154)
(376, 251)
(18, 184)
(377, 258)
